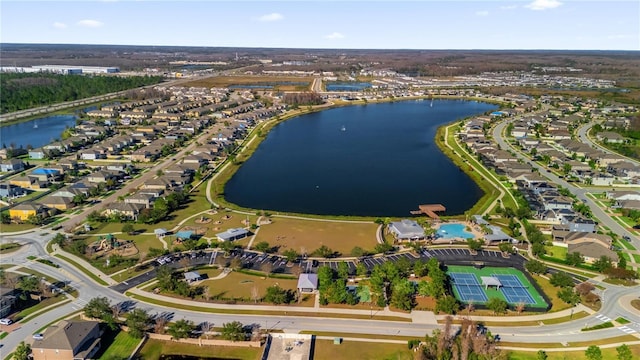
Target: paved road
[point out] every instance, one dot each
(603, 217)
(582, 135)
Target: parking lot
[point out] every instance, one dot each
(276, 264)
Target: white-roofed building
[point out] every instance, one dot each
(406, 229)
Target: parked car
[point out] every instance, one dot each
(6, 321)
(38, 336)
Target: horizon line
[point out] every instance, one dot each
(322, 48)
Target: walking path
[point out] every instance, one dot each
(84, 264)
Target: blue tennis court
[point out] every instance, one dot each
(468, 287)
(513, 289)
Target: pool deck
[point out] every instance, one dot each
(476, 231)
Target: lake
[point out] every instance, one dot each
(367, 160)
(37, 132)
(347, 86)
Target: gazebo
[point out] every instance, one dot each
(490, 281)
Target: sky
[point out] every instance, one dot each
(418, 24)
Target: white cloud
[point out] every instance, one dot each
(90, 23)
(271, 17)
(334, 35)
(59, 25)
(482, 13)
(543, 4)
(508, 7)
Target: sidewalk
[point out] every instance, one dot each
(538, 317)
(84, 264)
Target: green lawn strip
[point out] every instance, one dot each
(357, 335)
(152, 350)
(9, 248)
(121, 348)
(619, 282)
(284, 311)
(627, 221)
(3, 335)
(68, 289)
(607, 353)
(26, 315)
(576, 316)
(472, 168)
(85, 271)
(604, 325)
(557, 252)
(536, 346)
(348, 350)
(622, 320)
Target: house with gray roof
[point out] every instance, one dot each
(233, 234)
(406, 229)
(69, 340)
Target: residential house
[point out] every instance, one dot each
(11, 165)
(591, 252)
(127, 210)
(28, 182)
(11, 191)
(140, 198)
(69, 340)
(610, 137)
(25, 210)
(37, 154)
(8, 299)
(628, 204)
(57, 202)
(622, 195)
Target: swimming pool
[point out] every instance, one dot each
(453, 231)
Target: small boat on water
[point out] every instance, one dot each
(343, 128)
(35, 125)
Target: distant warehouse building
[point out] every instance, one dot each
(64, 69)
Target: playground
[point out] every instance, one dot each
(478, 285)
(110, 245)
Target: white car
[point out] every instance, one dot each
(6, 321)
(38, 336)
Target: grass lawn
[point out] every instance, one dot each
(552, 293)
(308, 235)
(7, 228)
(557, 252)
(627, 220)
(239, 286)
(152, 350)
(24, 314)
(326, 350)
(609, 353)
(121, 347)
(9, 248)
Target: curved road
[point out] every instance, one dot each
(35, 246)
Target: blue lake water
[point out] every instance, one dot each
(369, 160)
(347, 86)
(37, 132)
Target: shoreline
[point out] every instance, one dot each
(246, 151)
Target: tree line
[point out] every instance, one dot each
(24, 91)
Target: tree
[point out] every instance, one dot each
(402, 295)
(128, 228)
(584, 288)
(505, 247)
(569, 296)
(262, 246)
(28, 284)
(357, 251)
(535, 267)
(498, 305)
(98, 308)
(541, 355)
(290, 254)
(233, 331)
(361, 270)
(138, 322)
(593, 352)
(343, 270)
(23, 352)
(181, 329)
(474, 245)
(624, 352)
(324, 251)
(574, 258)
(602, 264)
(561, 279)
(276, 295)
(447, 304)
